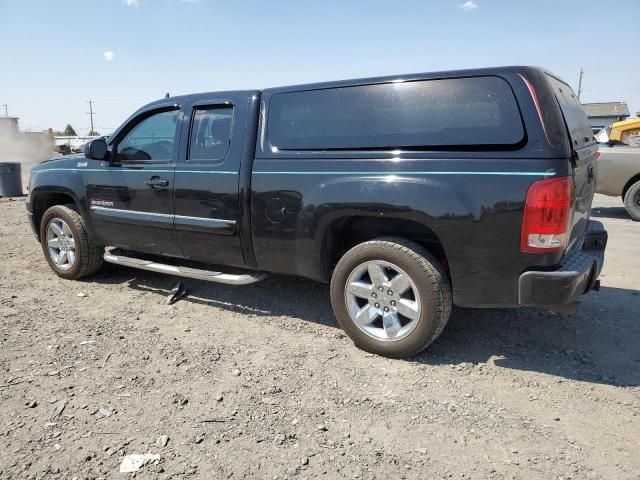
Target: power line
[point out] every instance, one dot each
(580, 84)
(91, 113)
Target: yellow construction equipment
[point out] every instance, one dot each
(621, 130)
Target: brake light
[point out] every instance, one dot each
(547, 213)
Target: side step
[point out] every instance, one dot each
(208, 275)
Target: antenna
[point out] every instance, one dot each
(6, 109)
(91, 113)
(580, 84)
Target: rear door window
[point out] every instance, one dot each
(449, 113)
(210, 133)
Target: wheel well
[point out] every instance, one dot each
(629, 183)
(347, 232)
(44, 201)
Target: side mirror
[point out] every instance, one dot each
(96, 149)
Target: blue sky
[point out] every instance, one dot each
(54, 55)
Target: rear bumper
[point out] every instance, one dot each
(578, 274)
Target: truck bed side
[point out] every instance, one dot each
(308, 207)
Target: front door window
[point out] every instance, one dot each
(151, 140)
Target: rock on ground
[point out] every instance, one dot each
(501, 395)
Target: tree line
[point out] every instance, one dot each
(69, 131)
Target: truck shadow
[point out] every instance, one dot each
(610, 212)
(599, 344)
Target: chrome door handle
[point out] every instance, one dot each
(157, 183)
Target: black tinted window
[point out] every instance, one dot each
(151, 139)
(574, 116)
(433, 113)
(210, 133)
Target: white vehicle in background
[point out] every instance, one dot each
(602, 136)
(77, 144)
(66, 144)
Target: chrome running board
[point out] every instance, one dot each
(207, 275)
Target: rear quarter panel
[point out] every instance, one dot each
(474, 208)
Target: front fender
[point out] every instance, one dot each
(49, 185)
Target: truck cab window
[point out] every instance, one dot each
(210, 133)
(152, 139)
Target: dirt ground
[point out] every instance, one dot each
(258, 382)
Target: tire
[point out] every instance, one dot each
(632, 201)
(420, 311)
(87, 256)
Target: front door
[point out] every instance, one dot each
(207, 206)
(131, 197)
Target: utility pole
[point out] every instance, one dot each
(6, 109)
(580, 84)
(90, 113)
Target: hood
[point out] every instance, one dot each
(66, 161)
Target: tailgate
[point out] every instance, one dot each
(584, 150)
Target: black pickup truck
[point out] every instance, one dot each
(408, 194)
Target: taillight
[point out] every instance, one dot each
(547, 213)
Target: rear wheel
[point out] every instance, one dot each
(632, 201)
(67, 246)
(391, 296)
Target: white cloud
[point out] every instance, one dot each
(108, 55)
(466, 6)
(131, 3)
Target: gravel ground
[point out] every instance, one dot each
(257, 381)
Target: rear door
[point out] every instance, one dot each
(206, 195)
(584, 150)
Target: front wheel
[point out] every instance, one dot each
(67, 246)
(391, 296)
(632, 201)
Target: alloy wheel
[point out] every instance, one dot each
(382, 300)
(61, 244)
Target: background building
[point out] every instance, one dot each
(602, 115)
(9, 124)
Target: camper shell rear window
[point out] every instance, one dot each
(454, 113)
